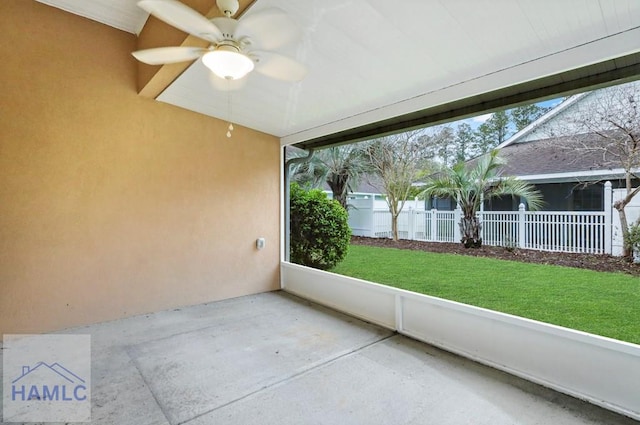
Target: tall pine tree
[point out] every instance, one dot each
(522, 116)
(465, 142)
(492, 132)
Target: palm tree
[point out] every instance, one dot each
(470, 185)
(341, 167)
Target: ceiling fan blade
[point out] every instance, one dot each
(268, 29)
(163, 55)
(278, 66)
(184, 18)
(222, 84)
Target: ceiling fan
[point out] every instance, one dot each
(237, 46)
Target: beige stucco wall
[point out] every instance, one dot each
(111, 204)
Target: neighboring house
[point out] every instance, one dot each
(550, 154)
(569, 178)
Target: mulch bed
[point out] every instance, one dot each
(602, 263)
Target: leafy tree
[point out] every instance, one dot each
(470, 185)
(522, 116)
(309, 174)
(320, 232)
(341, 167)
(396, 162)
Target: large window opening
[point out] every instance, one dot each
(566, 262)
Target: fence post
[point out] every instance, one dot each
(608, 219)
(457, 216)
(521, 227)
(373, 215)
(412, 224)
(434, 225)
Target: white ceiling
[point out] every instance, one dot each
(372, 59)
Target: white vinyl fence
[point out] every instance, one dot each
(561, 231)
(633, 215)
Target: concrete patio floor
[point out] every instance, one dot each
(276, 359)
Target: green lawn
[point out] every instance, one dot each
(601, 303)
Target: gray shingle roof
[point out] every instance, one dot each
(557, 155)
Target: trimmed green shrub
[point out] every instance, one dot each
(633, 241)
(320, 232)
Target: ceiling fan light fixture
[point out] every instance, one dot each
(228, 63)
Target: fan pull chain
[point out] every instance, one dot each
(230, 127)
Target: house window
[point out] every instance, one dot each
(502, 203)
(442, 204)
